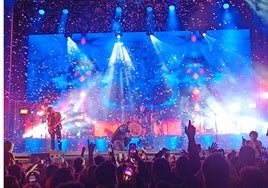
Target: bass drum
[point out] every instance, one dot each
(135, 129)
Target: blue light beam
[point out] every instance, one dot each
(173, 24)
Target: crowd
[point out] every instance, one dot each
(246, 168)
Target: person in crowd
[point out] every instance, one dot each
(48, 172)
(216, 172)
(78, 164)
(62, 175)
(121, 137)
(185, 176)
(254, 143)
(106, 174)
(54, 127)
(251, 176)
(246, 156)
(161, 171)
(193, 148)
(9, 158)
(71, 184)
(17, 171)
(11, 182)
(99, 159)
(88, 177)
(125, 176)
(32, 185)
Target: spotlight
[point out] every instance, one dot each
(118, 11)
(193, 38)
(83, 94)
(171, 7)
(24, 111)
(150, 21)
(118, 36)
(41, 12)
(65, 11)
(63, 21)
(117, 25)
(83, 40)
(226, 6)
(173, 23)
(149, 9)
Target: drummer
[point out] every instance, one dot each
(121, 136)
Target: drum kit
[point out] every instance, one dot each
(135, 129)
(147, 125)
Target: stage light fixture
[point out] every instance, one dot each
(65, 11)
(41, 11)
(118, 11)
(83, 94)
(63, 21)
(24, 111)
(117, 25)
(193, 38)
(171, 8)
(172, 24)
(149, 9)
(150, 21)
(226, 6)
(118, 35)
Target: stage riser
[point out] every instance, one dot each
(230, 141)
(42, 145)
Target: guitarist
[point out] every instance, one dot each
(54, 127)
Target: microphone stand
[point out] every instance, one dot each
(215, 118)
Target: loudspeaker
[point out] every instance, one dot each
(37, 156)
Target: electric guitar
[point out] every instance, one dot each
(52, 127)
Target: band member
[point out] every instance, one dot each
(121, 136)
(254, 143)
(144, 120)
(54, 127)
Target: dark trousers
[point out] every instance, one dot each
(55, 132)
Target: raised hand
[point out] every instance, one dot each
(91, 147)
(213, 148)
(190, 130)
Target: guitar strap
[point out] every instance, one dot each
(53, 119)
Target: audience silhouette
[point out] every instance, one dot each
(190, 169)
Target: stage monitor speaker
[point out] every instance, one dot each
(37, 156)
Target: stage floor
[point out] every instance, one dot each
(72, 147)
